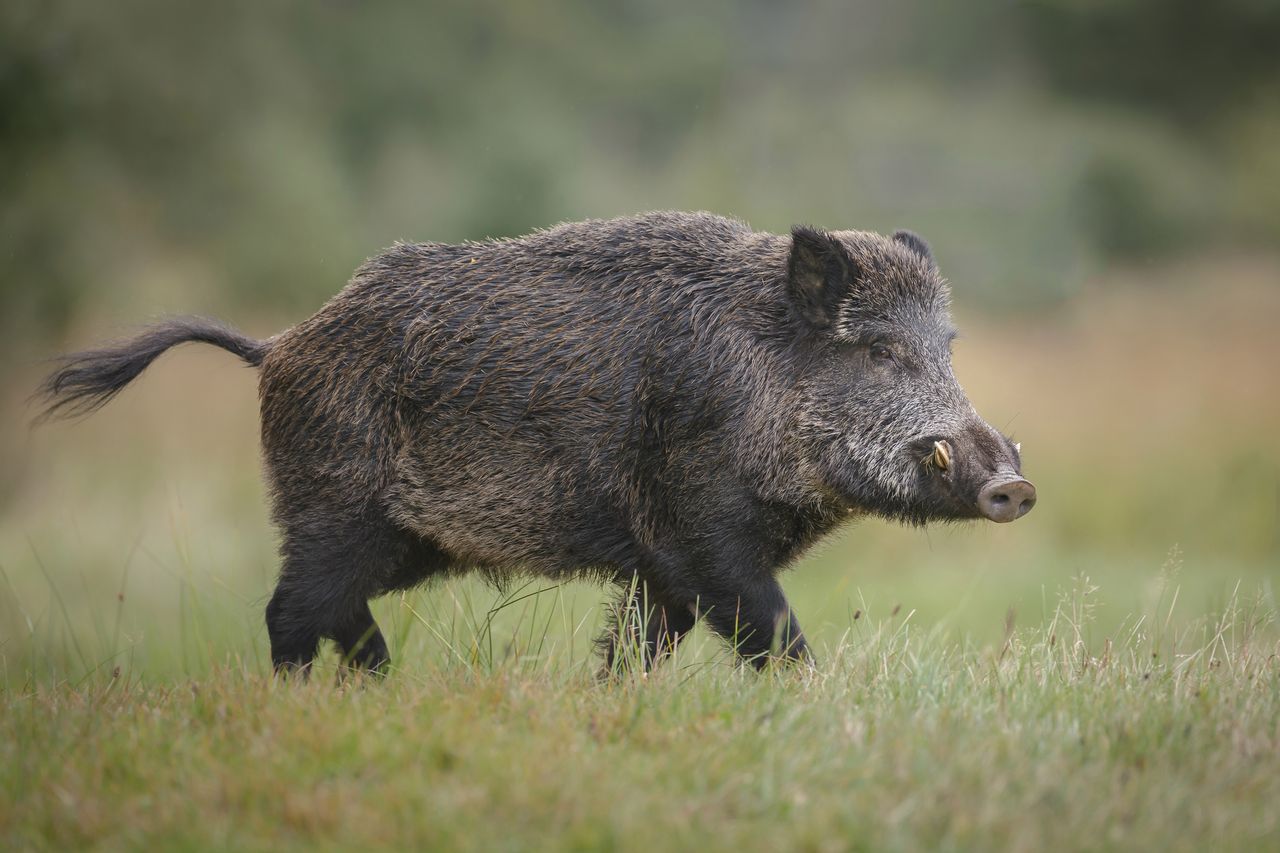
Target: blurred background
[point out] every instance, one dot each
(1099, 180)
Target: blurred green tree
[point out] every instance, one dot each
(246, 156)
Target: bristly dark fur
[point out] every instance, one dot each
(670, 402)
(86, 381)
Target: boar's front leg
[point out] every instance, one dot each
(754, 616)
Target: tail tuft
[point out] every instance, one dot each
(86, 381)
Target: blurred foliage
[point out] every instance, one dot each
(245, 156)
(1194, 62)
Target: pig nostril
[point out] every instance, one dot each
(1006, 500)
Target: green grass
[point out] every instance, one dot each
(1152, 738)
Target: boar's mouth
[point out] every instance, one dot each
(951, 488)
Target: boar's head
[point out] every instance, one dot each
(884, 424)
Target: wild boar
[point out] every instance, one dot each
(673, 403)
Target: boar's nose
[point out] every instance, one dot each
(1005, 500)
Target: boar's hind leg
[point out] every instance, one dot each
(361, 643)
(756, 619)
(664, 625)
(331, 567)
(294, 633)
(309, 606)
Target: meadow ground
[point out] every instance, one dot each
(1102, 674)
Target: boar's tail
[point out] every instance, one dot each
(86, 381)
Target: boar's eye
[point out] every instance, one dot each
(880, 352)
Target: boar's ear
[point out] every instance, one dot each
(820, 273)
(916, 244)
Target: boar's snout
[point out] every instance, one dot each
(974, 473)
(1006, 499)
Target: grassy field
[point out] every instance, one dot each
(1103, 674)
(901, 739)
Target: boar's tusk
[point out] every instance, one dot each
(942, 453)
(940, 458)
(1017, 445)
